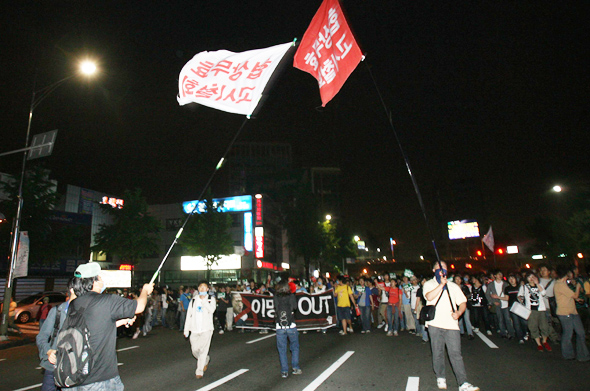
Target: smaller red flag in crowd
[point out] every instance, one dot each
(328, 50)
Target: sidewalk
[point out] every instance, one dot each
(16, 340)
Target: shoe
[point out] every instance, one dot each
(362, 331)
(412, 331)
(324, 331)
(468, 387)
(305, 332)
(470, 337)
(297, 371)
(386, 328)
(389, 333)
(476, 329)
(381, 325)
(136, 334)
(284, 375)
(540, 348)
(341, 332)
(441, 382)
(220, 331)
(199, 376)
(488, 332)
(368, 331)
(547, 347)
(521, 342)
(395, 333)
(350, 330)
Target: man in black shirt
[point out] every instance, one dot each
(103, 313)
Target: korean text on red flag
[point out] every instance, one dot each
(328, 50)
(229, 81)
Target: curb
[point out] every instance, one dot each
(15, 343)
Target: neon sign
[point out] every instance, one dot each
(112, 201)
(230, 204)
(259, 242)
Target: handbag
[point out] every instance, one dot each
(428, 312)
(520, 310)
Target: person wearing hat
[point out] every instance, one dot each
(103, 313)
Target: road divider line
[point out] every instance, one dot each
(2, 359)
(328, 372)
(30, 387)
(221, 381)
(486, 340)
(413, 384)
(129, 348)
(260, 339)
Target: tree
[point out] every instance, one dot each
(208, 234)
(304, 233)
(132, 235)
(337, 246)
(39, 199)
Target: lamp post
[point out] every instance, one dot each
(87, 68)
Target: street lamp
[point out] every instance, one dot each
(328, 217)
(557, 189)
(87, 68)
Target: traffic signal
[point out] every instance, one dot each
(479, 253)
(500, 251)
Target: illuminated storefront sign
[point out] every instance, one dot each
(116, 278)
(248, 238)
(258, 210)
(230, 204)
(259, 242)
(125, 267)
(226, 262)
(266, 265)
(112, 201)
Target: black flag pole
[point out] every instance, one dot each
(410, 172)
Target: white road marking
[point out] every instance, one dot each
(119, 364)
(2, 359)
(413, 384)
(326, 374)
(30, 387)
(129, 348)
(486, 340)
(260, 339)
(219, 382)
(38, 368)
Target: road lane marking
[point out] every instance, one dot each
(38, 368)
(260, 339)
(2, 359)
(413, 384)
(486, 340)
(219, 382)
(119, 364)
(130, 347)
(30, 387)
(326, 374)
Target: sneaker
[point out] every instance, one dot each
(297, 371)
(368, 331)
(389, 333)
(221, 331)
(395, 333)
(468, 387)
(136, 334)
(540, 348)
(341, 332)
(305, 332)
(284, 375)
(324, 331)
(547, 347)
(488, 332)
(521, 342)
(362, 331)
(412, 331)
(441, 382)
(381, 325)
(475, 329)
(350, 330)
(386, 328)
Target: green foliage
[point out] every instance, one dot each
(132, 235)
(208, 234)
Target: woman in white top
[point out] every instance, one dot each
(532, 293)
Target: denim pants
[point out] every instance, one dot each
(467, 319)
(569, 325)
(164, 317)
(114, 384)
(293, 337)
(439, 338)
(393, 319)
(48, 381)
(520, 326)
(366, 317)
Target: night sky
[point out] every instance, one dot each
(489, 93)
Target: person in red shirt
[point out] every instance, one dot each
(43, 312)
(394, 295)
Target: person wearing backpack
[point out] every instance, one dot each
(47, 339)
(96, 317)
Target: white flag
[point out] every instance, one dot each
(488, 239)
(229, 81)
(21, 266)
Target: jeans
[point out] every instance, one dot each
(481, 318)
(282, 336)
(366, 317)
(182, 320)
(114, 384)
(569, 324)
(155, 316)
(466, 318)
(503, 315)
(390, 314)
(48, 381)
(452, 339)
(520, 326)
(164, 317)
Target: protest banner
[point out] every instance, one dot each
(314, 312)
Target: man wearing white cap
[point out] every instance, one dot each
(103, 313)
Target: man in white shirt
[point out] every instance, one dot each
(384, 300)
(494, 294)
(444, 328)
(164, 299)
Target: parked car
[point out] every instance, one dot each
(27, 308)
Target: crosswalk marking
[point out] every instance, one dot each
(486, 340)
(130, 347)
(219, 382)
(413, 384)
(326, 374)
(260, 339)
(30, 387)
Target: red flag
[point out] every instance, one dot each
(328, 50)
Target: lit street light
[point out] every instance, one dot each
(557, 189)
(328, 217)
(87, 68)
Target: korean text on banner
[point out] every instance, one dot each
(328, 50)
(21, 266)
(229, 81)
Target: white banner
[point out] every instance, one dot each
(488, 239)
(21, 266)
(229, 81)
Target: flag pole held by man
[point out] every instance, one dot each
(94, 318)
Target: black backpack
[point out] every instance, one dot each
(74, 353)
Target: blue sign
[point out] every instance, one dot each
(230, 204)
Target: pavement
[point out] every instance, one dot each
(29, 333)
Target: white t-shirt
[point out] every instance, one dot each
(500, 292)
(384, 298)
(443, 318)
(164, 301)
(413, 291)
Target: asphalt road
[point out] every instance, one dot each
(163, 361)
